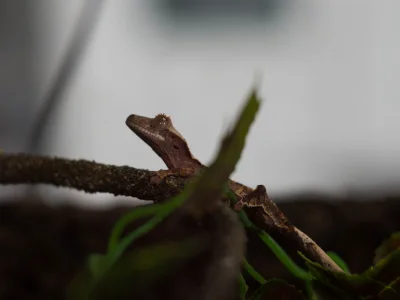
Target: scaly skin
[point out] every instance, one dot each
(160, 134)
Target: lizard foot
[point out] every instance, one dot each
(271, 214)
(160, 175)
(253, 199)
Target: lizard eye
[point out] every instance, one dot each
(163, 119)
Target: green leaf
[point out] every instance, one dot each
(96, 264)
(211, 183)
(392, 291)
(100, 264)
(136, 270)
(388, 246)
(135, 214)
(253, 272)
(371, 283)
(338, 260)
(242, 287)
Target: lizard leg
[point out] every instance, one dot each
(253, 199)
(268, 217)
(160, 175)
(258, 200)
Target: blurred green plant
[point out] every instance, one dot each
(381, 281)
(200, 192)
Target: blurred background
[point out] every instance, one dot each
(329, 78)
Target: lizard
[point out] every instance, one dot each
(160, 134)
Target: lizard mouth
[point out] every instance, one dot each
(146, 133)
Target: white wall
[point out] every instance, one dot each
(330, 83)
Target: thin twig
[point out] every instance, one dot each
(69, 63)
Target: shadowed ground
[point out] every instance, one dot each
(41, 247)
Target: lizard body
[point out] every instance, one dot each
(160, 134)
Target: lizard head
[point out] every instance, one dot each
(160, 134)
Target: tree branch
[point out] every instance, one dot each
(93, 177)
(88, 176)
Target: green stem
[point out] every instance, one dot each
(116, 248)
(283, 257)
(137, 213)
(242, 287)
(253, 272)
(339, 261)
(120, 248)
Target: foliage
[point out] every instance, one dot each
(120, 269)
(209, 184)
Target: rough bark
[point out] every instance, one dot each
(88, 176)
(93, 177)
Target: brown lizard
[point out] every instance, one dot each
(160, 134)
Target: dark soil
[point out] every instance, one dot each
(42, 247)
